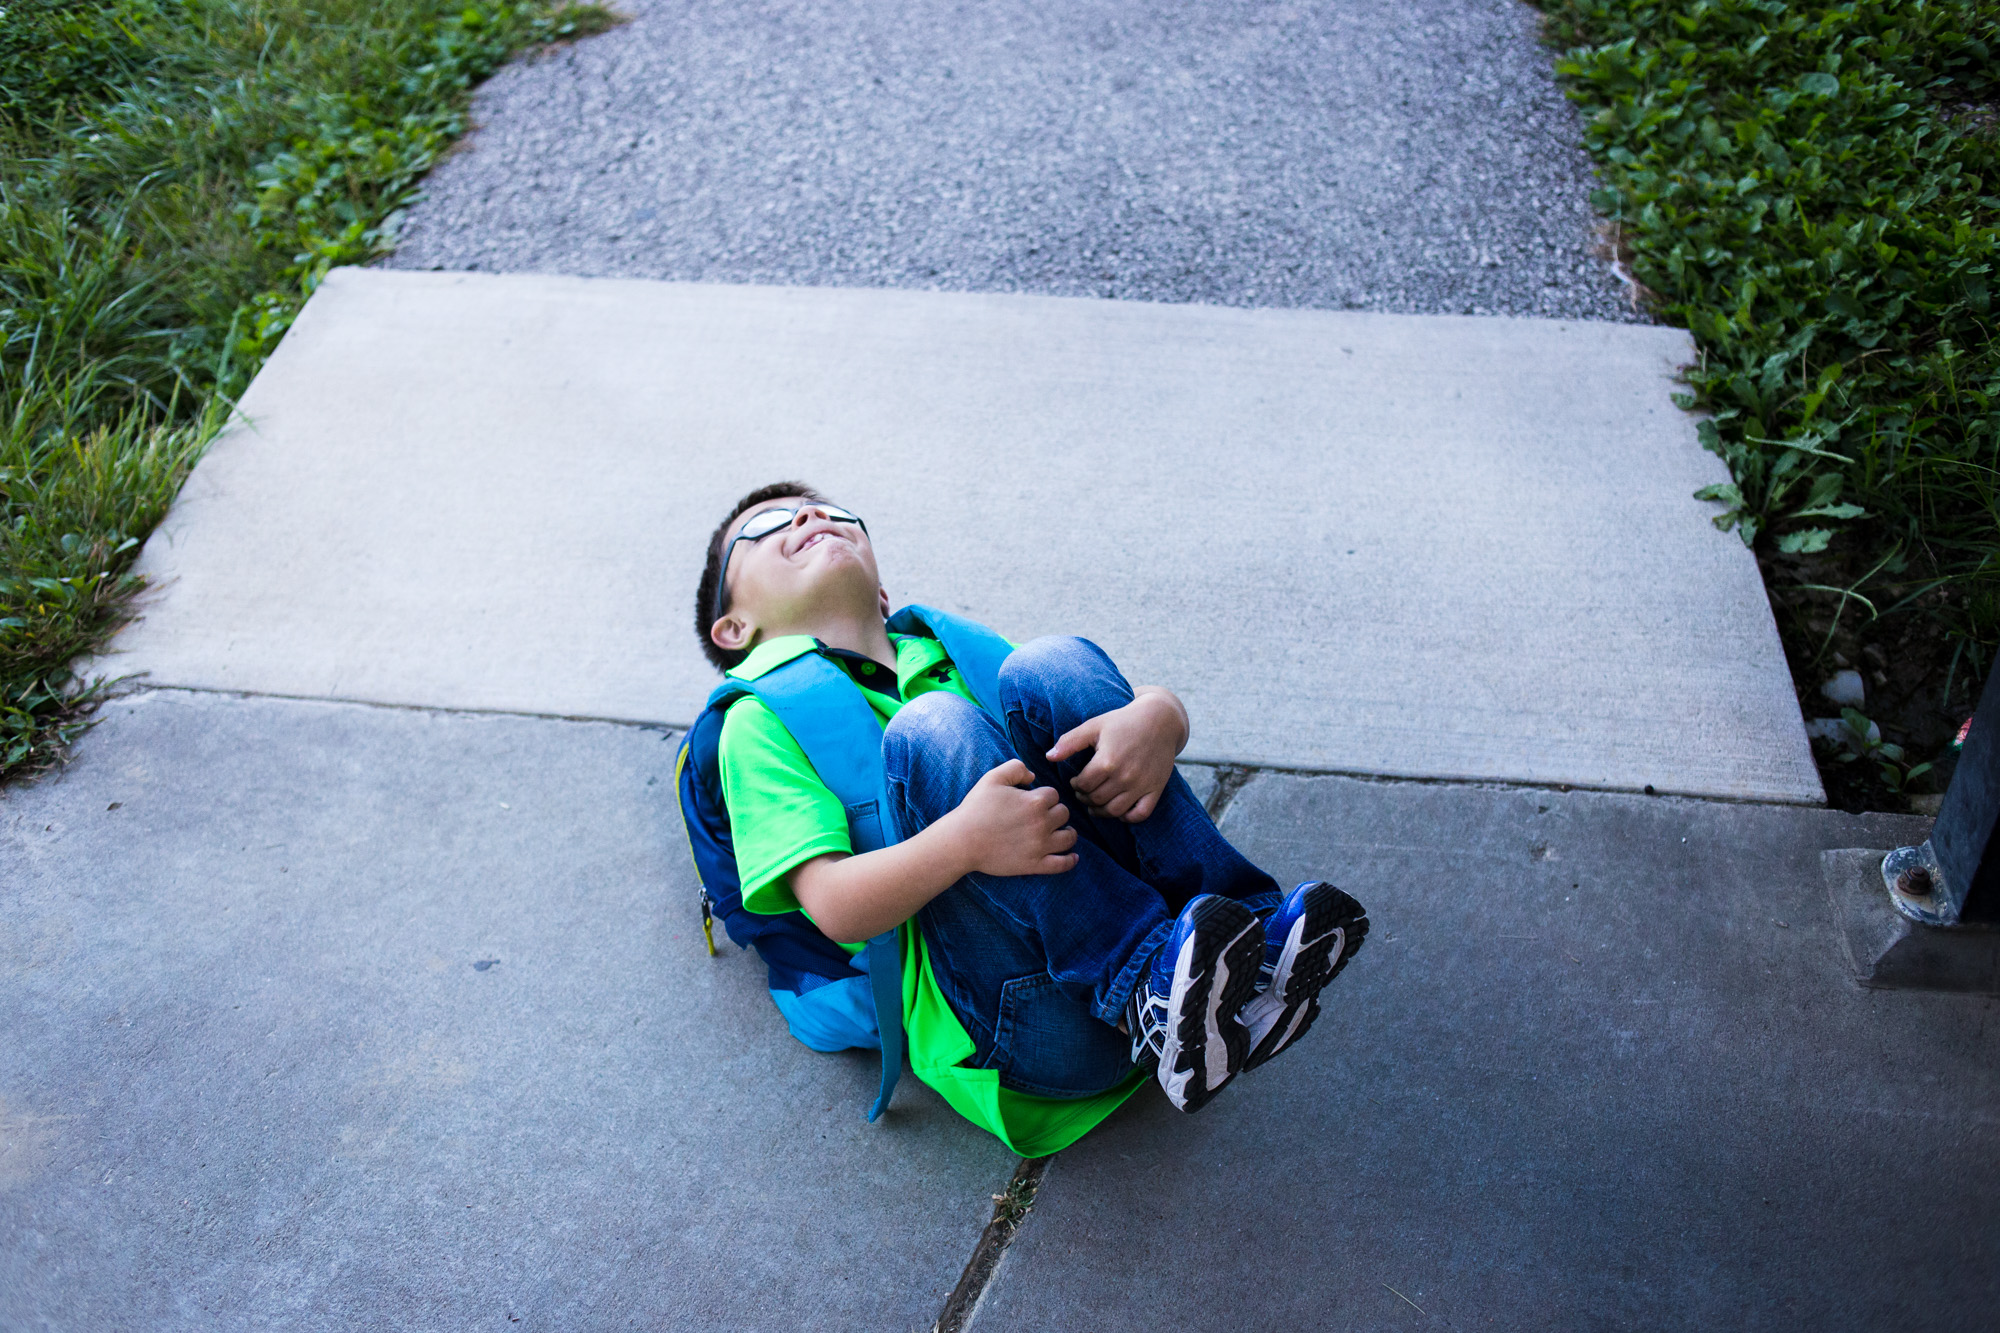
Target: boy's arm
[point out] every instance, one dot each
(1002, 827)
(1134, 760)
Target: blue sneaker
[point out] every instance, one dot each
(1306, 943)
(1184, 1012)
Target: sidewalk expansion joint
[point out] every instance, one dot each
(1251, 768)
(1232, 775)
(134, 688)
(1010, 1209)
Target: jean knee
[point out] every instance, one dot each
(1060, 662)
(1051, 657)
(1063, 674)
(941, 734)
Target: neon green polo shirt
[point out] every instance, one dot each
(781, 815)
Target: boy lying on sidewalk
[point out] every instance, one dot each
(1063, 913)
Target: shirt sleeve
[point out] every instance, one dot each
(780, 813)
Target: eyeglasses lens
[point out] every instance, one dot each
(766, 522)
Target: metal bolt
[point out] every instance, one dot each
(1914, 883)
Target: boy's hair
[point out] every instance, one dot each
(705, 609)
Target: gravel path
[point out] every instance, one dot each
(1353, 154)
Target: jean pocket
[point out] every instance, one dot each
(1048, 1043)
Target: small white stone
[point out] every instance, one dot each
(1845, 688)
(1835, 729)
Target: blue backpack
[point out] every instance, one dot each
(831, 1001)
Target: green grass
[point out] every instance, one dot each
(175, 178)
(1809, 189)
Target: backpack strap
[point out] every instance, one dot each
(828, 716)
(801, 958)
(831, 720)
(695, 778)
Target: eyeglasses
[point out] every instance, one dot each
(761, 525)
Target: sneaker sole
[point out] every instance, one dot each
(1215, 975)
(1321, 943)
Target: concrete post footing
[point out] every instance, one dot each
(1887, 949)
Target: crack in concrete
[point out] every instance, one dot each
(1229, 780)
(1010, 1209)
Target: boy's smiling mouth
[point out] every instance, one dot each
(823, 534)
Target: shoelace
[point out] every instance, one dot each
(1148, 1021)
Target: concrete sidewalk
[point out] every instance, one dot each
(322, 1016)
(368, 1009)
(395, 1018)
(1420, 546)
(1600, 1064)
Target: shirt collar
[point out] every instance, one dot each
(768, 656)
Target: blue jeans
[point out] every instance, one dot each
(1039, 968)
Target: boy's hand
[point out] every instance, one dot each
(1135, 748)
(1006, 827)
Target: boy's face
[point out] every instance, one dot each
(784, 583)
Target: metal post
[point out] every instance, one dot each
(1954, 878)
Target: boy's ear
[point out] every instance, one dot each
(732, 633)
(883, 594)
